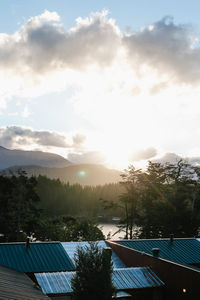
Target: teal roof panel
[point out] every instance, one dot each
(40, 257)
(71, 248)
(185, 251)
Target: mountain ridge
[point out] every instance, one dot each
(9, 158)
(84, 174)
(55, 167)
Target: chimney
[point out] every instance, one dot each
(155, 252)
(27, 243)
(107, 253)
(171, 239)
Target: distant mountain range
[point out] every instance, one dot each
(55, 166)
(9, 158)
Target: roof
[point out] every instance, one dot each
(184, 251)
(135, 278)
(18, 286)
(55, 283)
(71, 248)
(40, 257)
(123, 279)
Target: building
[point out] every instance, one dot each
(175, 261)
(16, 285)
(51, 266)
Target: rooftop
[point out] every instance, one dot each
(71, 247)
(184, 251)
(18, 286)
(39, 257)
(123, 279)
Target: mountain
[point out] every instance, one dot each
(85, 174)
(9, 158)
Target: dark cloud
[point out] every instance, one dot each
(168, 48)
(143, 154)
(15, 136)
(91, 157)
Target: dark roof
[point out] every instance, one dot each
(17, 285)
(71, 248)
(184, 251)
(40, 257)
(123, 279)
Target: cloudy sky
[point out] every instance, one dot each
(114, 82)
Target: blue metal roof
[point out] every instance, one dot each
(135, 278)
(123, 279)
(185, 251)
(40, 257)
(71, 248)
(56, 282)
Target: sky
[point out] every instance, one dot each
(111, 82)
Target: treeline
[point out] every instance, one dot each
(151, 203)
(57, 198)
(161, 200)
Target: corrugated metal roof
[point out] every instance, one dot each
(135, 278)
(123, 279)
(56, 282)
(16, 285)
(185, 251)
(40, 257)
(71, 248)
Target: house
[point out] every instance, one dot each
(51, 265)
(142, 281)
(175, 261)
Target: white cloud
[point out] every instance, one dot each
(43, 45)
(143, 154)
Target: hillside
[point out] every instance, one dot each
(9, 158)
(85, 174)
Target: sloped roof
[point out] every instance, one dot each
(135, 278)
(123, 279)
(71, 248)
(17, 285)
(185, 251)
(40, 257)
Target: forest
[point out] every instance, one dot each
(151, 203)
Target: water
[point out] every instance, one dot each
(111, 229)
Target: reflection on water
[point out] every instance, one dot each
(112, 230)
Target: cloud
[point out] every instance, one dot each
(157, 88)
(19, 137)
(91, 157)
(143, 154)
(168, 157)
(173, 158)
(172, 50)
(42, 44)
(78, 139)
